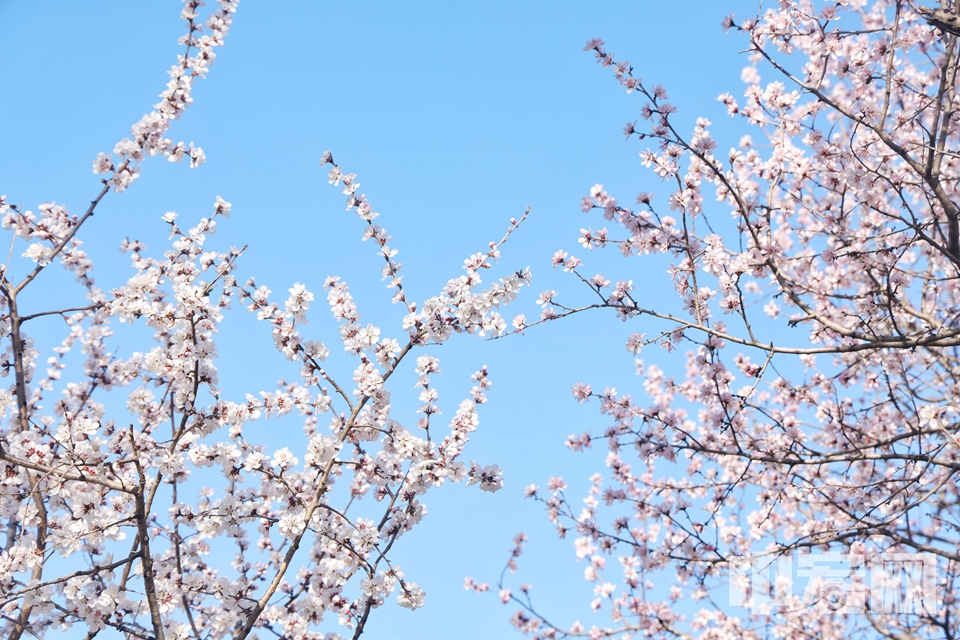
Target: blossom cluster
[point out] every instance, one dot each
(148, 135)
(815, 409)
(169, 514)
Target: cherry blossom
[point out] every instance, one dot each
(123, 473)
(814, 407)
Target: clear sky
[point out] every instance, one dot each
(456, 116)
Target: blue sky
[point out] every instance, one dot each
(456, 117)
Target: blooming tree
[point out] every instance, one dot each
(817, 412)
(107, 527)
